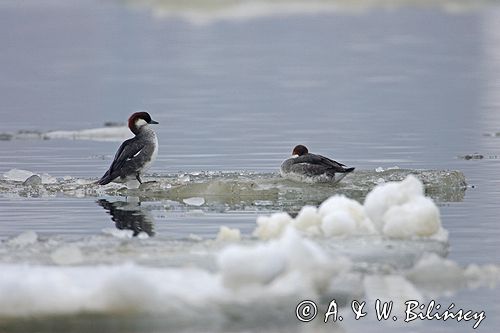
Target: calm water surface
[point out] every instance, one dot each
(409, 87)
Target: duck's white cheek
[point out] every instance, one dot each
(140, 122)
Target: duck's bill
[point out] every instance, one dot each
(154, 122)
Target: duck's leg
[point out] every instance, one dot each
(138, 177)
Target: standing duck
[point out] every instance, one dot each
(135, 155)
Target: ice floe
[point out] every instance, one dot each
(394, 209)
(17, 175)
(281, 271)
(67, 255)
(26, 238)
(290, 254)
(201, 13)
(194, 201)
(401, 210)
(272, 226)
(119, 233)
(226, 234)
(28, 178)
(108, 133)
(42, 290)
(97, 134)
(236, 190)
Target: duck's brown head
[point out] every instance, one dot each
(300, 150)
(139, 119)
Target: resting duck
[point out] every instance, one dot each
(304, 166)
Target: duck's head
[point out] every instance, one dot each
(139, 119)
(300, 150)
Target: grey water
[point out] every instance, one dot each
(412, 86)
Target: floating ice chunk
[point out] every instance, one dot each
(131, 184)
(382, 197)
(388, 288)
(228, 235)
(183, 178)
(142, 235)
(48, 179)
(437, 273)
(33, 180)
(195, 237)
(271, 226)
(81, 181)
(108, 289)
(379, 169)
(67, 255)
(194, 201)
(395, 209)
(314, 267)
(418, 217)
(343, 216)
(28, 177)
(119, 233)
(17, 175)
(260, 264)
(97, 134)
(25, 238)
(487, 275)
(338, 223)
(389, 196)
(290, 254)
(441, 235)
(341, 202)
(308, 220)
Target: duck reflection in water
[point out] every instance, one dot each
(129, 215)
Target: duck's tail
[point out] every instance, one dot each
(106, 179)
(347, 170)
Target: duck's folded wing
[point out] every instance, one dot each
(321, 161)
(127, 151)
(123, 160)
